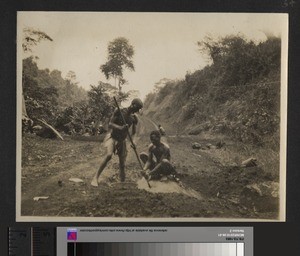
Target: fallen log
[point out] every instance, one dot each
(51, 128)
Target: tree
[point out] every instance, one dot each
(120, 54)
(32, 37)
(238, 61)
(100, 103)
(71, 76)
(41, 96)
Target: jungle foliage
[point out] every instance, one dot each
(62, 103)
(238, 93)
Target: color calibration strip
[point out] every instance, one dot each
(158, 249)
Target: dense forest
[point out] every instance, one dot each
(238, 94)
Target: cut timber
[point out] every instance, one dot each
(51, 128)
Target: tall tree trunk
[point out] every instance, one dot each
(24, 112)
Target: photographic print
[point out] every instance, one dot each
(151, 116)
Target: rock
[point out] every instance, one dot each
(263, 196)
(196, 145)
(76, 180)
(208, 145)
(250, 162)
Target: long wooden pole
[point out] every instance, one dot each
(131, 141)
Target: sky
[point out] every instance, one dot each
(165, 44)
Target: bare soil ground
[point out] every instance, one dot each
(213, 185)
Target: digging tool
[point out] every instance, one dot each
(132, 144)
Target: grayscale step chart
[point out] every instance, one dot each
(155, 241)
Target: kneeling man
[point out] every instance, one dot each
(157, 161)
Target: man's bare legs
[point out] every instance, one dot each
(106, 159)
(122, 160)
(163, 168)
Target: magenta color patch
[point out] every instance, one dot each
(72, 235)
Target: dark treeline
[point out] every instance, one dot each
(238, 94)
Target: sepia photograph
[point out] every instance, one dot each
(139, 116)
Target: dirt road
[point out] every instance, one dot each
(212, 187)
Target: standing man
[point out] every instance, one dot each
(115, 142)
(157, 161)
